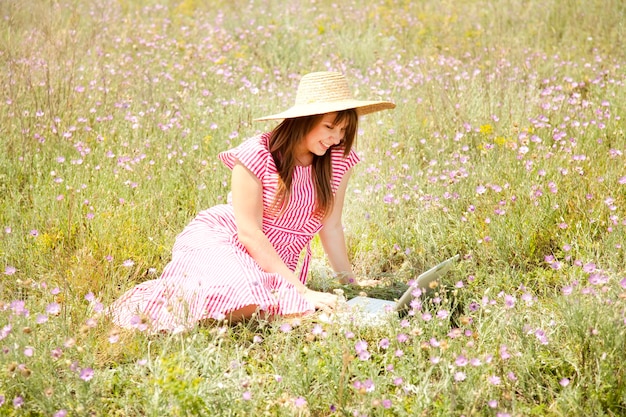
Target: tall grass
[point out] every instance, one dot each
(507, 146)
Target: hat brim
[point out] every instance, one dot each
(301, 110)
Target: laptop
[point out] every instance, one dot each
(375, 310)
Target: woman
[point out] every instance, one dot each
(235, 260)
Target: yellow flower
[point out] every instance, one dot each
(486, 129)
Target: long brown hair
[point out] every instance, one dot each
(283, 141)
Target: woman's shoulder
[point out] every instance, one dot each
(253, 153)
(344, 161)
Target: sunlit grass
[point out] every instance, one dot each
(507, 147)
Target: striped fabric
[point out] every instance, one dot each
(211, 274)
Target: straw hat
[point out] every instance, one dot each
(326, 92)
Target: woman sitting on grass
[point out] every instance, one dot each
(234, 260)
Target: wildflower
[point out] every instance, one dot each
(384, 343)
(494, 380)
(504, 354)
(60, 413)
(128, 263)
(286, 328)
(247, 395)
(9, 270)
(369, 385)
(5, 331)
(300, 402)
(18, 402)
(399, 353)
(461, 360)
(398, 381)
(56, 353)
(386, 403)
(511, 376)
(475, 362)
(541, 336)
(459, 376)
(564, 382)
(2, 400)
(29, 351)
(492, 403)
(317, 330)
(257, 339)
(402, 338)
(509, 301)
(19, 308)
(360, 346)
(86, 374)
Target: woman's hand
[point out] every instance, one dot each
(366, 283)
(351, 279)
(321, 300)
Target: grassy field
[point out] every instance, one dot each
(507, 147)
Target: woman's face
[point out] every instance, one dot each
(324, 135)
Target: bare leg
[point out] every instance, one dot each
(244, 313)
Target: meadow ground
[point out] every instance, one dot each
(507, 147)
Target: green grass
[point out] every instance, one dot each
(506, 146)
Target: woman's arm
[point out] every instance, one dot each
(247, 201)
(334, 242)
(333, 239)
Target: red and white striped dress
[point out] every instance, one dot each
(211, 274)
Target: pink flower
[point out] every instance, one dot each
(5, 331)
(564, 382)
(86, 374)
(459, 376)
(494, 380)
(317, 330)
(9, 270)
(300, 402)
(53, 309)
(29, 351)
(360, 346)
(461, 360)
(509, 301)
